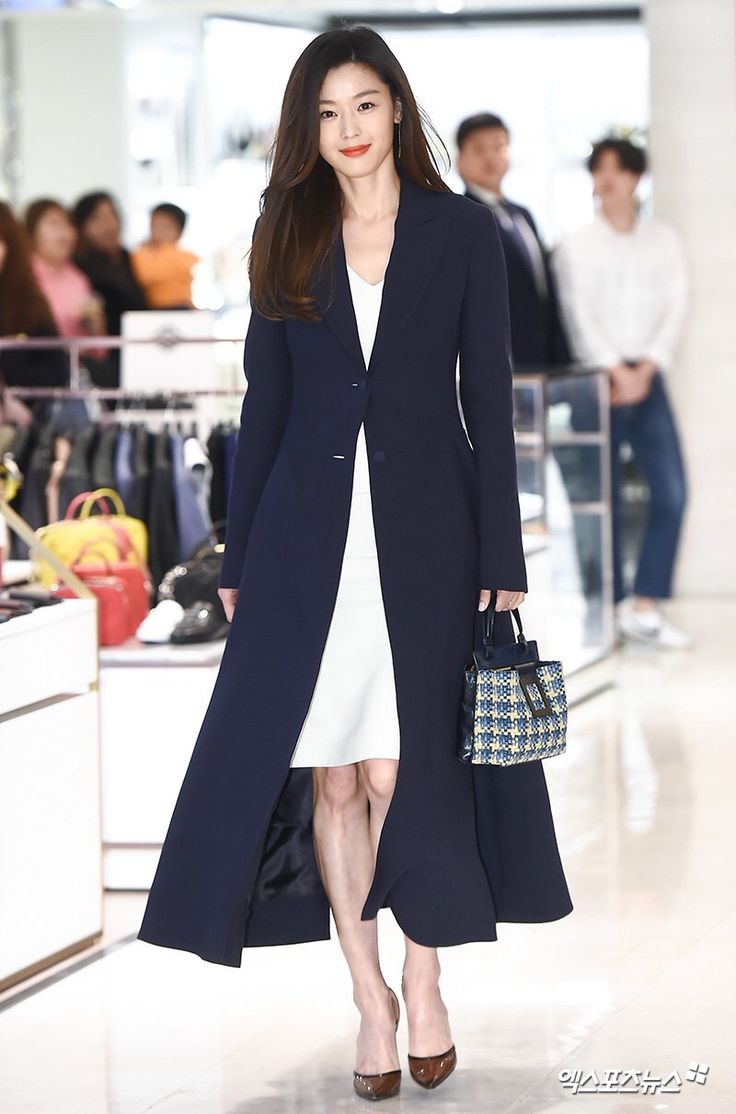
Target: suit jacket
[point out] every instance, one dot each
(537, 335)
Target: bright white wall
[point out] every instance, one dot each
(693, 146)
(72, 105)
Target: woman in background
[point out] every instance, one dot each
(25, 312)
(107, 264)
(53, 238)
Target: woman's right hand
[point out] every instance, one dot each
(229, 597)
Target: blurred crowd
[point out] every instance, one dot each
(65, 272)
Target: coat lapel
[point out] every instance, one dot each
(420, 231)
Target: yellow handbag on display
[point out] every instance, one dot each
(92, 537)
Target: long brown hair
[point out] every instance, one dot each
(301, 208)
(23, 307)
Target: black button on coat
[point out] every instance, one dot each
(461, 848)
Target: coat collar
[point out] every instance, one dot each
(420, 230)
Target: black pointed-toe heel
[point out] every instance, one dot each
(382, 1084)
(430, 1071)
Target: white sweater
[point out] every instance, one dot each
(623, 294)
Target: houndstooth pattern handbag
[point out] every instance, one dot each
(513, 706)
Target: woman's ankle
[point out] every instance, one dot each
(370, 997)
(423, 978)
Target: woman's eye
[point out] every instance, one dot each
(328, 111)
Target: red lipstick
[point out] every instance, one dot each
(352, 151)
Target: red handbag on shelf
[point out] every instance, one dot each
(113, 604)
(121, 612)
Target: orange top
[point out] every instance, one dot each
(165, 273)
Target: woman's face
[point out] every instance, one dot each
(357, 117)
(55, 237)
(102, 228)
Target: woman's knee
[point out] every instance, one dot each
(337, 786)
(379, 778)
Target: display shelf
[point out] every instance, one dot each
(50, 822)
(562, 439)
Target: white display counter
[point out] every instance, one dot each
(152, 701)
(50, 823)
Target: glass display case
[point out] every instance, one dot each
(562, 438)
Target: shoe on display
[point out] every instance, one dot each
(12, 609)
(202, 622)
(159, 623)
(650, 628)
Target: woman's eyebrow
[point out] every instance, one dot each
(363, 94)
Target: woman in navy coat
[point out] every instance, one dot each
(458, 848)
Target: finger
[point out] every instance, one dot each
(484, 598)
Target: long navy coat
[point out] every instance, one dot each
(461, 848)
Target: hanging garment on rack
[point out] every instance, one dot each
(77, 474)
(33, 493)
(139, 499)
(163, 537)
(191, 527)
(218, 491)
(103, 459)
(199, 471)
(124, 477)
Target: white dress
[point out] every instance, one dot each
(353, 712)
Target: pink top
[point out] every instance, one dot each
(66, 289)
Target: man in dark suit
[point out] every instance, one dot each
(537, 336)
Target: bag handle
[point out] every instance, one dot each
(97, 497)
(489, 623)
(77, 501)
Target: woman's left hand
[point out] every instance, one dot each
(505, 600)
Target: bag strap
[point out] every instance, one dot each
(77, 501)
(97, 496)
(489, 623)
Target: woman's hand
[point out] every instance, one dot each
(505, 600)
(229, 597)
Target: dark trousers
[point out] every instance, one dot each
(649, 428)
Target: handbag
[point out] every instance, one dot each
(115, 537)
(513, 706)
(198, 577)
(136, 580)
(113, 604)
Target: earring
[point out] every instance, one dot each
(399, 137)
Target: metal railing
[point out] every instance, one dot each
(167, 339)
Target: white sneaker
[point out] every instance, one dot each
(650, 628)
(158, 624)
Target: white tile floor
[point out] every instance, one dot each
(639, 976)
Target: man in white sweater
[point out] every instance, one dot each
(622, 282)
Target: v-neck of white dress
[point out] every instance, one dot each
(372, 285)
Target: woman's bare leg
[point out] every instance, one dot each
(429, 1028)
(344, 841)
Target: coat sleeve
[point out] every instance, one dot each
(487, 404)
(267, 366)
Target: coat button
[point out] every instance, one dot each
(361, 385)
(379, 455)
